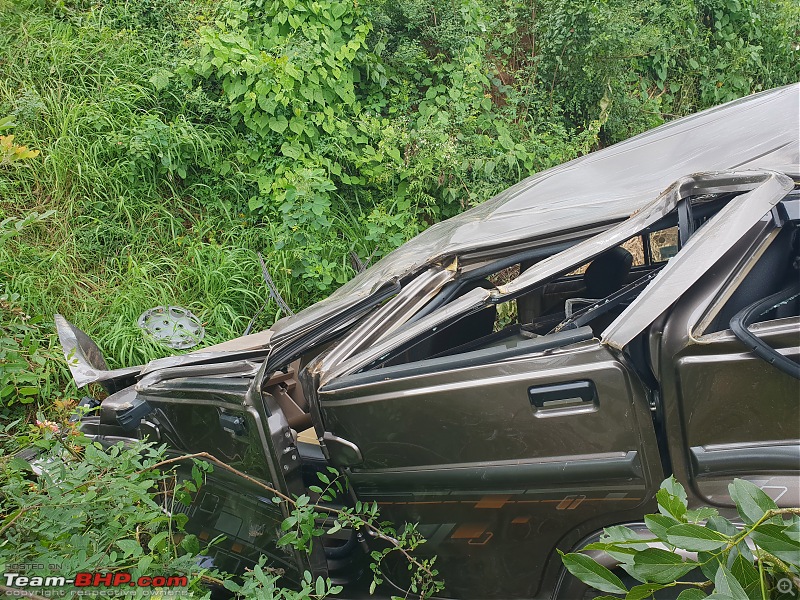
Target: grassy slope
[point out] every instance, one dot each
(119, 242)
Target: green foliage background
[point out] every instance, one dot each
(178, 137)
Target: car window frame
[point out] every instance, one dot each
(760, 188)
(766, 237)
(697, 256)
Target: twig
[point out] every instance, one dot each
(374, 531)
(20, 512)
(216, 461)
(18, 593)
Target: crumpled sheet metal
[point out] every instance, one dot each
(699, 254)
(757, 132)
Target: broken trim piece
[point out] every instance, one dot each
(693, 185)
(471, 301)
(393, 314)
(86, 362)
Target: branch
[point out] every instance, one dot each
(374, 531)
(20, 512)
(213, 459)
(18, 593)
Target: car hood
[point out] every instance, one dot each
(759, 131)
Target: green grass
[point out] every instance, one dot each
(126, 234)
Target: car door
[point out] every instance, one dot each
(220, 410)
(734, 413)
(500, 453)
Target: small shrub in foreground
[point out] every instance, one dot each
(759, 560)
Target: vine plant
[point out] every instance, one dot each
(309, 519)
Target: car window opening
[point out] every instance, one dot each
(776, 269)
(592, 295)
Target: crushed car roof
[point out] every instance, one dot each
(760, 131)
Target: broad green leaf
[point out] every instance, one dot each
(751, 501)
(675, 488)
(297, 125)
(592, 573)
(160, 79)
(660, 566)
(692, 594)
(659, 524)
(645, 590)
(747, 575)
(191, 544)
(130, 547)
(144, 563)
(623, 551)
(631, 570)
(619, 533)
(623, 554)
(338, 9)
(20, 464)
(278, 124)
(722, 525)
(793, 529)
(701, 514)
(672, 499)
(291, 150)
(689, 536)
(709, 564)
(157, 539)
(774, 540)
(725, 583)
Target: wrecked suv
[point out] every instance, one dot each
(518, 377)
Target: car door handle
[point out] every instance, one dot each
(564, 397)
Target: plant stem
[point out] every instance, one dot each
(761, 579)
(374, 531)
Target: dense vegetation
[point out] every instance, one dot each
(176, 138)
(149, 149)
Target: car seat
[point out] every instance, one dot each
(607, 274)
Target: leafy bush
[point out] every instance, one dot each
(78, 507)
(89, 509)
(756, 560)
